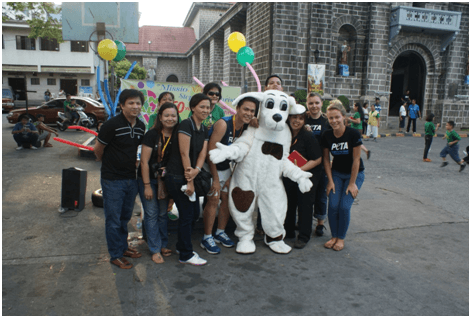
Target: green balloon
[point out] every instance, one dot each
(121, 50)
(245, 55)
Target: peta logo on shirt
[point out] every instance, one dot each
(316, 129)
(339, 148)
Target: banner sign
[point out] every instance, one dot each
(316, 78)
(182, 94)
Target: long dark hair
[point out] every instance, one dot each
(210, 86)
(158, 126)
(360, 110)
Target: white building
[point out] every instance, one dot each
(41, 64)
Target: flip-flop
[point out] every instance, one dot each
(158, 259)
(166, 252)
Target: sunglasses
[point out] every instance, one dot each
(217, 94)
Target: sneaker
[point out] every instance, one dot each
(444, 164)
(32, 147)
(195, 260)
(210, 246)
(299, 244)
(19, 148)
(319, 230)
(223, 239)
(427, 160)
(462, 166)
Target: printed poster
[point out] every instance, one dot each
(316, 78)
(182, 94)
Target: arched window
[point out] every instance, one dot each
(172, 78)
(347, 44)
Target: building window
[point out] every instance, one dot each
(79, 46)
(172, 78)
(23, 42)
(35, 81)
(85, 82)
(49, 44)
(51, 82)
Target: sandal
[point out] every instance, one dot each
(166, 252)
(330, 244)
(122, 263)
(132, 253)
(157, 258)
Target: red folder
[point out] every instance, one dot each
(297, 159)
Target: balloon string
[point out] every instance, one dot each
(255, 77)
(223, 104)
(73, 144)
(83, 129)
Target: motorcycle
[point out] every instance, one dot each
(64, 122)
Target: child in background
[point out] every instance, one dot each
(373, 123)
(452, 148)
(429, 133)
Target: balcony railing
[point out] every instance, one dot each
(445, 23)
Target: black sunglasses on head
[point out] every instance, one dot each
(211, 93)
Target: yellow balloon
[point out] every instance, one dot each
(236, 40)
(107, 49)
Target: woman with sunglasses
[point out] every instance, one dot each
(213, 91)
(162, 98)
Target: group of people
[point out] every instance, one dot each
(174, 152)
(27, 134)
(48, 95)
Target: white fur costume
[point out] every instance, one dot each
(262, 156)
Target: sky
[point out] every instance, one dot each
(163, 13)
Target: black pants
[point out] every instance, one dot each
(304, 202)
(428, 144)
(364, 126)
(21, 140)
(414, 124)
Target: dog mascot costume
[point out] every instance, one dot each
(262, 157)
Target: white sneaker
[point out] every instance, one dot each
(19, 148)
(195, 260)
(32, 147)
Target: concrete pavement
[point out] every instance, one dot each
(406, 250)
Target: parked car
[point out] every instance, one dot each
(8, 98)
(93, 109)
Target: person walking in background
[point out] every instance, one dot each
(357, 124)
(346, 174)
(414, 114)
(188, 154)
(429, 133)
(402, 116)
(373, 123)
(156, 144)
(365, 118)
(452, 148)
(162, 98)
(116, 146)
(316, 122)
(47, 95)
(377, 105)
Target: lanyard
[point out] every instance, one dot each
(234, 129)
(294, 142)
(167, 142)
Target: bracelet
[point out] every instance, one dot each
(200, 170)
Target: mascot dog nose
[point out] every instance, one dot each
(277, 117)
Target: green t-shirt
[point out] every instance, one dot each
(65, 105)
(429, 128)
(217, 113)
(452, 136)
(355, 125)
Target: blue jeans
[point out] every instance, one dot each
(46, 98)
(341, 203)
(453, 151)
(118, 201)
(31, 138)
(320, 204)
(156, 217)
(188, 214)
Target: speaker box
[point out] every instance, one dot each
(73, 188)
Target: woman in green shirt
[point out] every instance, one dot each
(357, 120)
(213, 91)
(162, 98)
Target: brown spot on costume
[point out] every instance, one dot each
(273, 149)
(242, 199)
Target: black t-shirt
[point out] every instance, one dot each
(198, 137)
(307, 146)
(151, 139)
(342, 148)
(318, 126)
(121, 141)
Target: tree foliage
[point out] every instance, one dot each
(42, 22)
(121, 68)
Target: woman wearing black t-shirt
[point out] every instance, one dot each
(187, 158)
(307, 146)
(156, 143)
(346, 175)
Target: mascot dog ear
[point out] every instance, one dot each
(295, 108)
(259, 96)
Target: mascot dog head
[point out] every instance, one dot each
(274, 108)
